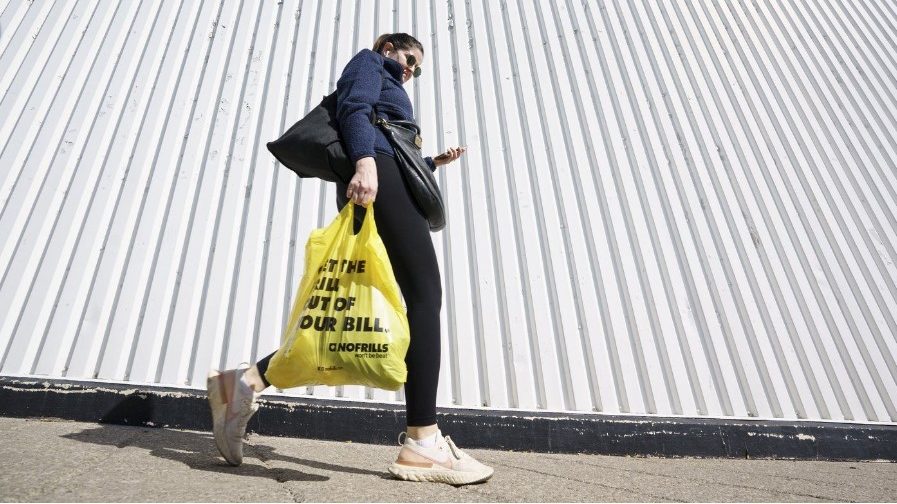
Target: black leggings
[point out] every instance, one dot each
(406, 235)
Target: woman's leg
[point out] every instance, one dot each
(406, 237)
(256, 374)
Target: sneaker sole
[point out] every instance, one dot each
(449, 476)
(213, 386)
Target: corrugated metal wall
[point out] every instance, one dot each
(675, 207)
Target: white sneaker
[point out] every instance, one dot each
(233, 403)
(443, 463)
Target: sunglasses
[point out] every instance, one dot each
(410, 60)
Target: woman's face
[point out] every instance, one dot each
(401, 56)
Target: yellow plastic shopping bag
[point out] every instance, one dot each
(348, 325)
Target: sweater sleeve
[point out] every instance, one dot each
(430, 163)
(357, 91)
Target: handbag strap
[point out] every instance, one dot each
(374, 113)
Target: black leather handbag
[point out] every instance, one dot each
(405, 139)
(311, 148)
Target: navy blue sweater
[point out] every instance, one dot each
(358, 90)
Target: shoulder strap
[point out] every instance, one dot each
(374, 113)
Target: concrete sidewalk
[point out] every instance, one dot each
(60, 460)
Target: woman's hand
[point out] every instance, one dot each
(362, 188)
(449, 155)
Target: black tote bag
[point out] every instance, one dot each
(312, 148)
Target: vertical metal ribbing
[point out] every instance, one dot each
(295, 239)
(175, 292)
(330, 57)
(889, 13)
(448, 357)
(821, 344)
(532, 337)
(674, 233)
(837, 333)
(701, 311)
(562, 362)
(209, 259)
(672, 155)
(874, 279)
(788, 146)
(650, 305)
(450, 263)
(474, 244)
(275, 167)
(711, 353)
(236, 266)
(15, 189)
(103, 166)
(728, 234)
(836, 340)
(157, 237)
(885, 69)
(585, 329)
(33, 216)
(335, 69)
(44, 31)
(14, 21)
(668, 208)
(882, 214)
(260, 158)
(42, 267)
(288, 286)
(508, 340)
(761, 344)
(121, 123)
(692, 363)
(885, 23)
(757, 192)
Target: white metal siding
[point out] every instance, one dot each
(675, 207)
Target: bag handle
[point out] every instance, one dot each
(374, 113)
(347, 215)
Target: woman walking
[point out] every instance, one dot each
(375, 78)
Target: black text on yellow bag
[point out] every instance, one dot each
(348, 325)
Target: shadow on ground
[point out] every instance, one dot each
(197, 450)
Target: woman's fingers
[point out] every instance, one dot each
(450, 155)
(353, 193)
(362, 197)
(362, 189)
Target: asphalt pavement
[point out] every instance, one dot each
(52, 460)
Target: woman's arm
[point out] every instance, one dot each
(357, 91)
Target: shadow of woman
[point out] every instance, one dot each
(197, 451)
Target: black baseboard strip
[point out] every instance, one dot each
(362, 422)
